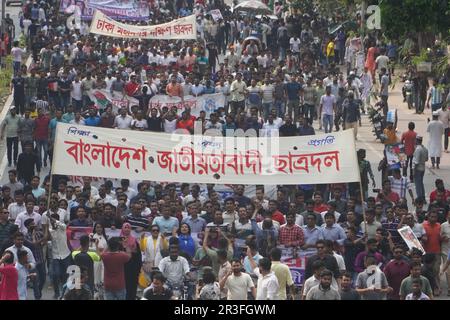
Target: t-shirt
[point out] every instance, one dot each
(409, 140)
(406, 285)
(432, 245)
(295, 45)
(114, 277)
(361, 283)
(9, 282)
(383, 62)
(238, 286)
(384, 85)
(327, 103)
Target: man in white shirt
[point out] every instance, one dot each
(327, 109)
(237, 283)
(382, 61)
(28, 214)
(174, 267)
(270, 128)
(267, 288)
(123, 121)
(17, 207)
(444, 117)
(18, 245)
(295, 45)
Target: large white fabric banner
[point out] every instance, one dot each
(137, 155)
(207, 102)
(183, 28)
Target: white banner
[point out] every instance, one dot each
(102, 97)
(184, 28)
(207, 102)
(136, 155)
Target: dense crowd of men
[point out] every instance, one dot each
(159, 241)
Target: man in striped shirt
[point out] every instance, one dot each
(400, 184)
(435, 94)
(135, 219)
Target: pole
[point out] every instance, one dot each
(3, 16)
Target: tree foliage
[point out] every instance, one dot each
(399, 17)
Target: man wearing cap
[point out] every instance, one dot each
(436, 130)
(419, 159)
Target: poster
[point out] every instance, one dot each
(102, 97)
(132, 10)
(207, 102)
(410, 238)
(134, 155)
(296, 260)
(395, 155)
(216, 15)
(183, 28)
(74, 234)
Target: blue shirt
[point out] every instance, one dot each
(335, 233)
(38, 192)
(166, 225)
(292, 89)
(92, 121)
(197, 225)
(247, 266)
(312, 235)
(52, 127)
(187, 244)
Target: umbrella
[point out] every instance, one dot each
(256, 7)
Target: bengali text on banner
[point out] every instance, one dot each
(136, 155)
(183, 28)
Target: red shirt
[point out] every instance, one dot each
(278, 216)
(433, 244)
(185, 124)
(8, 284)
(41, 127)
(409, 140)
(131, 88)
(320, 208)
(433, 195)
(392, 197)
(114, 277)
(395, 272)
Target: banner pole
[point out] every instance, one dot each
(361, 191)
(52, 161)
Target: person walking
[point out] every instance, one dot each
(436, 130)
(11, 126)
(419, 159)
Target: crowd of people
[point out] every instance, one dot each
(149, 240)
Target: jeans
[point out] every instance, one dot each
(42, 144)
(408, 162)
(59, 273)
(266, 109)
(308, 112)
(16, 66)
(10, 144)
(282, 56)
(418, 180)
(53, 100)
(65, 101)
(77, 105)
(19, 103)
(435, 160)
(293, 105)
(327, 120)
(280, 107)
(39, 281)
(115, 295)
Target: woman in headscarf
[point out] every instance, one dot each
(132, 267)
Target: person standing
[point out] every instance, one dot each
(283, 275)
(435, 95)
(409, 141)
(419, 159)
(444, 117)
(327, 109)
(237, 282)
(432, 245)
(436, 130)
(114, 261)
(10, 277)
(384, 90)
(351, 114)
(395, 271)
(11, 126)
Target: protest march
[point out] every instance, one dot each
(216, 150)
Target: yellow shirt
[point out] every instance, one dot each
(330, 49)
(33, 114)
(284, 277)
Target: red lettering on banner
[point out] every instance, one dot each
(110, 155)
(291, 163)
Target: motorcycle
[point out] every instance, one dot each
(377, 119)
(408, 93)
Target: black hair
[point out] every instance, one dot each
(265, 264)
(275, 254)
(209, 277)
(84, 240)
(326, 273)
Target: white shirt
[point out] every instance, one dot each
(313, 281)
(31, 259)
(267, 288)
(109, 82)
(76, 92)
(140, 124)
(17, 54)
(295, 45)
(170, 126)
(64, 216)
(123, 122)
(60, 250)
(174, 271)
(23, 216)
(238, 286)
(340, 261)
(14, 210)
(270, 130)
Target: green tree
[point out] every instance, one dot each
(398, 17)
